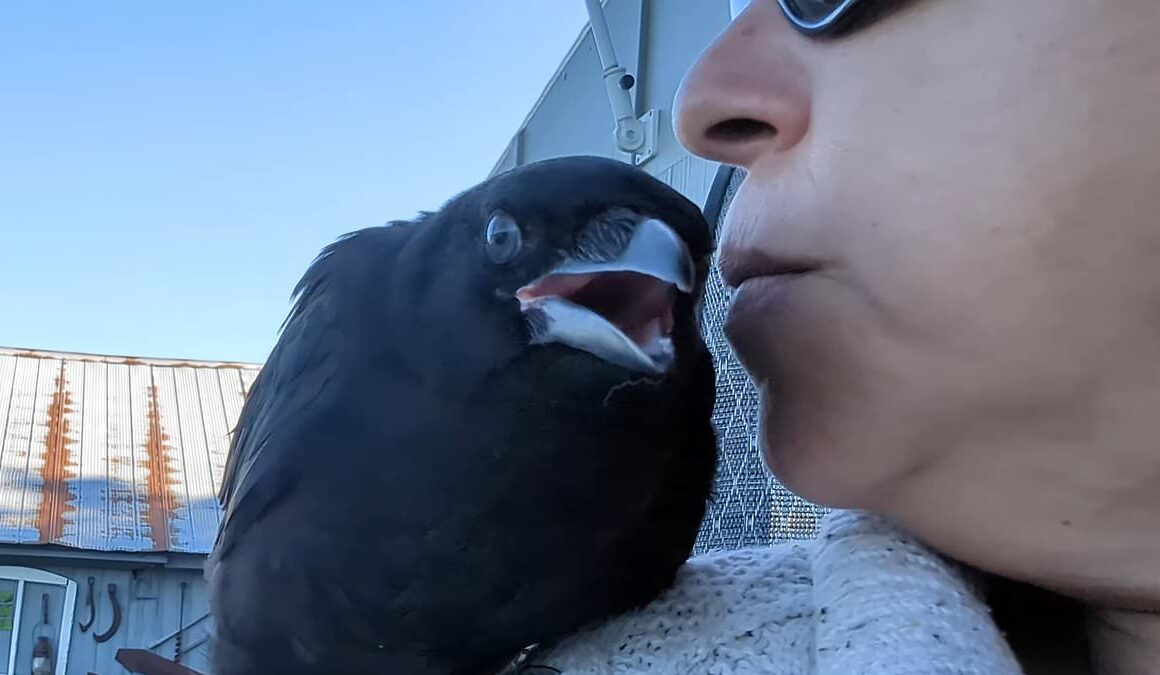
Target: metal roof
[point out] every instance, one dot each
(107, 453)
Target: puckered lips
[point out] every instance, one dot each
(621, 309)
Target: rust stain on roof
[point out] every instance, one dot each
(162, 499)
(55, 500)
(136, 500)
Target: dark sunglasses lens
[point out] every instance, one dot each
(813, 11)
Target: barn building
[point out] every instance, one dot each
(109, 471)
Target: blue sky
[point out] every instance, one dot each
(168, 170)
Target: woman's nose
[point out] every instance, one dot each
(748, 95)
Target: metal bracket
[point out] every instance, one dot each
(635, 138)
(650, 126)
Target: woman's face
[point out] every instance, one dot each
(948, 253)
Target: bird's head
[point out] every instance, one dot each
(578, 255)
(594, 254)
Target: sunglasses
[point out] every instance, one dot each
(811, 17)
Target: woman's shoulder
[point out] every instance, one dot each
(746, 610)
(860, 597)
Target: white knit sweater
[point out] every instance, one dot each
(860, 599)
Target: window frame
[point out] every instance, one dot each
(24, 576)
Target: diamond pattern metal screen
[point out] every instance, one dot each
(750, 508)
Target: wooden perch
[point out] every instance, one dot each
(146, 662)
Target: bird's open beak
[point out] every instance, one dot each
(620, 310)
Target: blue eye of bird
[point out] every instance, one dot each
(504, 239)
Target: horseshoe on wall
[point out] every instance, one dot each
(113, 627)
(89, 602)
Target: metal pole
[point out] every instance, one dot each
(629, 133)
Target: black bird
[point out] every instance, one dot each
(478, 430)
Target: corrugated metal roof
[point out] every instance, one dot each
(111, 453)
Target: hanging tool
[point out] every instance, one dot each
(91, 604)
(104, 637)
(42, 657)
(180, 637)
(42, 648)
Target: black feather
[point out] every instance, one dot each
(414, 488)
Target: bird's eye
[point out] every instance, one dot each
(504, 239)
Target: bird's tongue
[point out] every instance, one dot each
(639, 305)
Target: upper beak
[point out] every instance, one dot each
(655, 250)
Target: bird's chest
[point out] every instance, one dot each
(432, 458)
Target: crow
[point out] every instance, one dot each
(478, 430)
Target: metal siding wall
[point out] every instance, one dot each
(691, 176)
(676, 32)
(510, 158)
(150, 603)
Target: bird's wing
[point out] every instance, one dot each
(274, 436)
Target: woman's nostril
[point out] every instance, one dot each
(740, 130)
